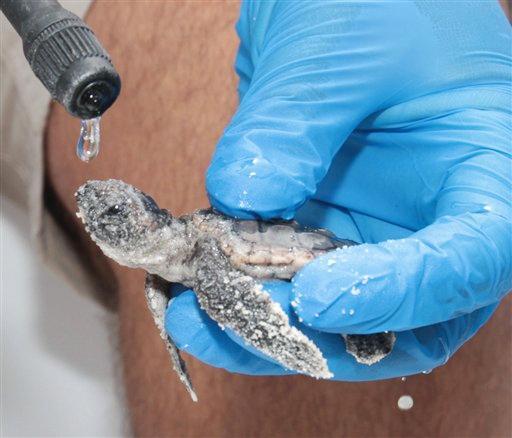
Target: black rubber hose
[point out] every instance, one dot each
(65, 55)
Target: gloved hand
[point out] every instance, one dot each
(393, 120)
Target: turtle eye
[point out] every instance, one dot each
(113, 210)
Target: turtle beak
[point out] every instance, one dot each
(85, 198)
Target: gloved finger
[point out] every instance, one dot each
(399, 177)
(452, 267)
(196, 333)
(315, 78)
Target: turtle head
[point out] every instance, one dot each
(120, 218)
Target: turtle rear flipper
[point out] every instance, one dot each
(235, 300)
(370, 349)
(156, 289)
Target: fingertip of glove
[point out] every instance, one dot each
(254, 188)
(342, 292)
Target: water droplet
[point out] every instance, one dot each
(252, 174)
(403, 379)
(426, 371)
(88, 145)
(351, 311)
(405, 402)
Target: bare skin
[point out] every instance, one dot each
(179, 91)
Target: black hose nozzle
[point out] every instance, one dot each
(65, 55)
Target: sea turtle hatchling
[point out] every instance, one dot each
(221, 259)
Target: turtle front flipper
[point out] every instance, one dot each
(156, 289)
(235, 300)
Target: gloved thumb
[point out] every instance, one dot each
(314, 80)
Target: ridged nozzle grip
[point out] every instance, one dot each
(58, 46)
(65, 55)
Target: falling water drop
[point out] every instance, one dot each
(88, 145)
(405, 402)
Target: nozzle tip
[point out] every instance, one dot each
(96, 97)
(89, 87)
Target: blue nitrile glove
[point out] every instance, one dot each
(394, 120)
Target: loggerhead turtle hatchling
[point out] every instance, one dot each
(221, 259)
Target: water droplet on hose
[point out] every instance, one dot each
(88, 144)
